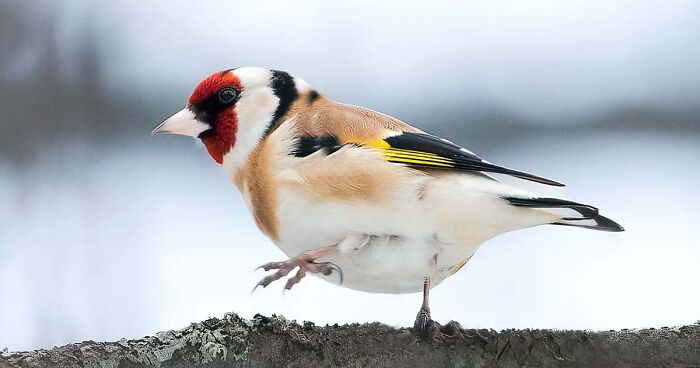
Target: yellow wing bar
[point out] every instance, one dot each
(414, 157)
(399, 155)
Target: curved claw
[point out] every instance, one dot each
(260, 283)
(339, 271)
(272, 266)
(267, 280)
(327, 268)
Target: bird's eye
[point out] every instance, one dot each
(227, 95)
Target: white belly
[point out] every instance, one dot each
(407, 244)
(393, 264)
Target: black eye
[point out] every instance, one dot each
(227, 95)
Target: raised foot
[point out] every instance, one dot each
(423, 326)
(304, 262)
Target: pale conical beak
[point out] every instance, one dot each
(182, 122)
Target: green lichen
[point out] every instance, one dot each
(205, 342)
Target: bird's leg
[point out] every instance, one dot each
(422, 325)
(306, 264)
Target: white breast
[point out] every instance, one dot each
(404, 246)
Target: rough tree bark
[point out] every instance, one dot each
(276, 342)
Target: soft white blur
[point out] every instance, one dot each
(106, 232)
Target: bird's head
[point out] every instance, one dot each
(233, 109)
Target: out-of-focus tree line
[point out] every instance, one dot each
(46, 94)
(51, 89)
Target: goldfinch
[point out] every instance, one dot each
(359, 198)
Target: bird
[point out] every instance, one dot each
(356, 197)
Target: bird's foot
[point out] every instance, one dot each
(305, 263)
(423, 326)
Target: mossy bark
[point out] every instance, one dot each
(276, 342)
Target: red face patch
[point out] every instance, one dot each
(213, 84)
(221, 140)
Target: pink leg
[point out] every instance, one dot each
(306, 264)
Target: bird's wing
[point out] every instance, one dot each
(397, 141)
(425, 151)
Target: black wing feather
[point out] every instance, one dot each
(309, 144)
(458, 157)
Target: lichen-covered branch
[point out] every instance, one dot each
(276, 342)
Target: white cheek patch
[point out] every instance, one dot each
(255, 106)
(254, 110)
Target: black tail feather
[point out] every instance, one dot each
(584, 211)
(582, 215)
(602, 223)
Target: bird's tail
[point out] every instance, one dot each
(569, 213)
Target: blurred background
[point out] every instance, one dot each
(107, 232)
